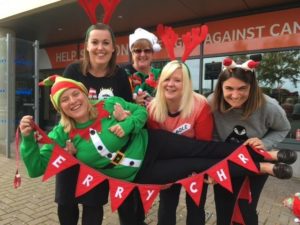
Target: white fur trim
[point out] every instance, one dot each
(140, 33)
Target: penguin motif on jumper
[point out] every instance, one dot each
(238, 135)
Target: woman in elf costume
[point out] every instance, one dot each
(103, 78)
(119, 146)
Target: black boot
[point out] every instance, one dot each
(286, 156)
(282, 171)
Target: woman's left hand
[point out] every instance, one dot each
(26, 125)
(117, 130)
(70, 148)
(255, 143)
(210, 180)
(119, 113)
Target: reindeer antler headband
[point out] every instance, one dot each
(90, 9)
(190, 39)
(249, 65)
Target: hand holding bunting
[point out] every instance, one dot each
(130, 158)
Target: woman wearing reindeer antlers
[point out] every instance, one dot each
(178, 109)
(243, 114)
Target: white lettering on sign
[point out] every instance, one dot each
(89, 178)
(284, 29)
(221, 174)
(58, 161)
(193, 188)
(235, 35)
(150, 193)
(122, 49)
(247, 33)
(243, 158)
(184, 127)
(66, 56)
(119, 192)
(81, 53)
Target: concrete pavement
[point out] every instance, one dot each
(33, 203)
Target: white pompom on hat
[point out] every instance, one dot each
(140, 33)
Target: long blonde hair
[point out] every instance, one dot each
(158, 107)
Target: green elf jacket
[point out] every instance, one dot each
(136, 138)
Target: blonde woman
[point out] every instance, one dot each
(178, 109)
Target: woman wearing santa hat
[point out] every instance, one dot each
(143, 77)
(119, 146)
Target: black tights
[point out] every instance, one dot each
(168, 202)
(170, 157)
(69, 214)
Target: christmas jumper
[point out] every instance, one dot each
(269, 123)
(152, 161)
(198, 125)
(36, 161)
(118, 83)
(143, 82)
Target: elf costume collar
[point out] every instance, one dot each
(96, 125)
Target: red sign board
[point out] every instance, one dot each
(271, 30)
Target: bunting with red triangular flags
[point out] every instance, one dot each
(59, 161)
(88, 178)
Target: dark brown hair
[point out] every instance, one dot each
(85, 63)
(255, 100)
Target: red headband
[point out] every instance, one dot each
(249, 65)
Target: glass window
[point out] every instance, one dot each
(194, 65)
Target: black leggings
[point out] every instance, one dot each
(69, 214)
(170, 157)
(225, 200)
(168, 202)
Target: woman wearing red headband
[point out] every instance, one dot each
(243, 114)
